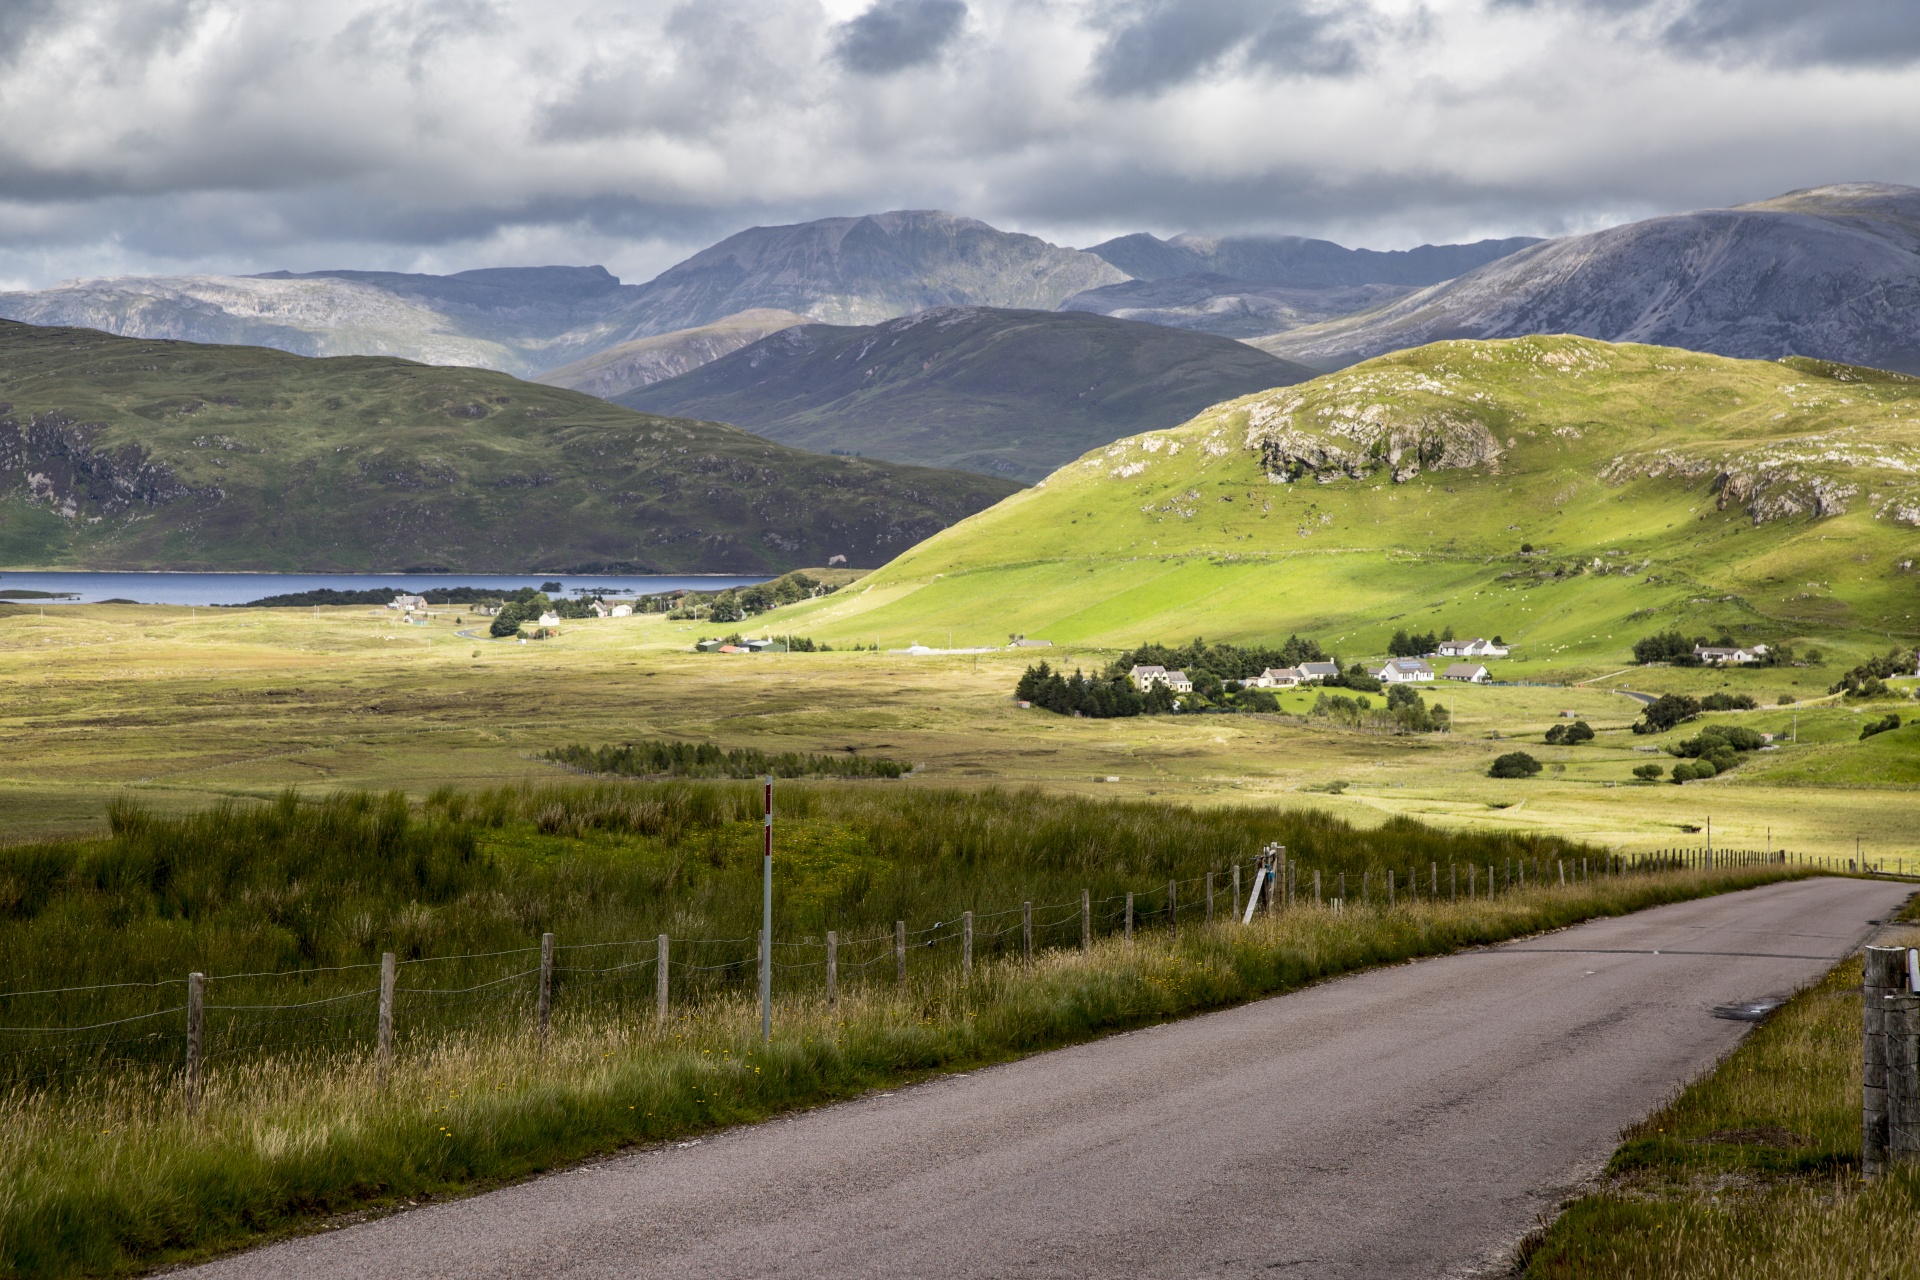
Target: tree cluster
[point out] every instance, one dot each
(1094, 697)
(1405, 711)
(736, 604)
(1712, 751)
(525, 605)
(1869, 679)
(1417, 645)
(1225, 662)
(1666, 711)
(1569, 735)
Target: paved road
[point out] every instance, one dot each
(1410, 1121)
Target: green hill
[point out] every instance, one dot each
(1013, 393)
(1655, 487)
(134, 453)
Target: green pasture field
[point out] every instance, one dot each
(1754, 1171)
(176, 706)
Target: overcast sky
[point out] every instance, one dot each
(161, 136)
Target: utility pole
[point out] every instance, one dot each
(766, 925)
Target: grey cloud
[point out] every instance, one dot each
(1788, 33)
(895, 34)
(1162, 43)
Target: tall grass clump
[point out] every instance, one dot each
(287, 908)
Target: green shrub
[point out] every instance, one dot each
(1514, 764)
(1569, 735)
(1647, 772)
(1884, 725)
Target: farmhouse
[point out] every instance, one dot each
(549, 619)
(612, 609)
(1402, 671)
(1277, 678)
(407, 602)
(1474, 648)
(1145, 678)
(1471, 672)
(1313, 672)
(1719, 655)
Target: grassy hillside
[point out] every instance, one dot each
(132, 453)
(1656, 488)
(1013, 393)
(628, 366)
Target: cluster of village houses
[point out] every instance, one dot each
(1392, 671)
(410, 605)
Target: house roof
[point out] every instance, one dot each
(1320, 668)
(1460, 670)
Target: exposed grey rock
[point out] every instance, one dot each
(1831, 272)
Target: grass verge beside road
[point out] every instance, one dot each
(111, 1176)
(1754, 1171)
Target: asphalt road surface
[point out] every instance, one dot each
(1416, 1120)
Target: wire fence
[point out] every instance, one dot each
(50, 1037)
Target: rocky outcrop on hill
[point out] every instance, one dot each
(63, 464)
(1385, 421)
(1831, 272)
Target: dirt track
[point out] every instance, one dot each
(1410, 1121)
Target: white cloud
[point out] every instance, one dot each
(440, 134)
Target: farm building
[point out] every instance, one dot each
(1402, 671)
(1471, 672)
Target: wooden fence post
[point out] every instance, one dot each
(1433, 874)
(1236, 891)
(1876, 985)
(1317, 900)
(1366, 887)
(1561, 863)
(1026, 933)
(1209, 897)
(1340, 891)
(388, 972)
(196, 1036)
(1129, 916)
(1903, 1074)
(543, 1006)
(1453, 882)
(1173, 911)
(1086, 919)
(966, 946)
(900, 951)
(1389, 888)
(833, 962)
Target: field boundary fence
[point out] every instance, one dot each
(176, 1029)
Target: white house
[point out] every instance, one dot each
(1402, 671)
(1719, 656)
(1277, 678)
(1313, 672)
(1474, 648)
(549, 619)
(1471, 672)
(408, 603)
(1145, 678)
(610, 609)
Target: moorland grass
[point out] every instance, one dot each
(1753, 1171)
(104, 1172)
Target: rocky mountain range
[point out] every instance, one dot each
(1830, 272)
(1005, 392)
(849, 271)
